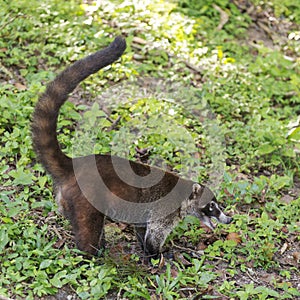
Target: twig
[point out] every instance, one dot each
(199, 252)
(114, 123)
(253, 279)
(193, 67)
(6, 71)
(57, 233)
(223, 16)
(8, 22)
(187, 289)
(181, 248)
(266, 29)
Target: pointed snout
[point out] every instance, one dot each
(229, 220)
(225, 219)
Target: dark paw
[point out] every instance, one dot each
(147, 257)
(151, 253)
(169, 254)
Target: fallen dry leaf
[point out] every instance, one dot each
(227, 193)
(283, 248)
(59, 244)
(233, 236)
(201, 246)
(174, 272)
(122, 226)
(180, 258)
(296, 256)
(286, 199)
(162, 262)
(20, 86)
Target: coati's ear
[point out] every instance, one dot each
(196, 189)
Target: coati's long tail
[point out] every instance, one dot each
(47, 108)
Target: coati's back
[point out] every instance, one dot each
(46, 111)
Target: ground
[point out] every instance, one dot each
(256, 257)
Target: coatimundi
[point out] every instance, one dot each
(92, 187)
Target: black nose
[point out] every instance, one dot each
(230, 220)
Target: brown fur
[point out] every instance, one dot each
(79, 190)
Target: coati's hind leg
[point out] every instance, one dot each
(89, 232)
(88, 224)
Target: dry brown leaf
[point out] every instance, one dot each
(20, 86)
(283, 248)
(227, 193)
(180, 258)
(296, 256)
(233, 236)
(122, 226)
(162, 262)
(174, 272)
(286, 199)
(126, 257)
(59, 244)
(201, 246)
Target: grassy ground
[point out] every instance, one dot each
(209, 89)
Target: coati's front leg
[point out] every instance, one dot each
(152, 238)
(156, 233)
(140, 232)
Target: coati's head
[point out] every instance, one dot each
(203, 204)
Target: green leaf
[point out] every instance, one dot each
(289, 152)
(59, 278)
(294, 134)
(265, 149)
(45, 264)
(4, 239)
(21, 177)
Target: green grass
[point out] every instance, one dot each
(221, 113)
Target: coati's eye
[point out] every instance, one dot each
(212, 205)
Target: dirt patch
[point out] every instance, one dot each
(266, 29)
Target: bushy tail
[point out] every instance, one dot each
(47, 108)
